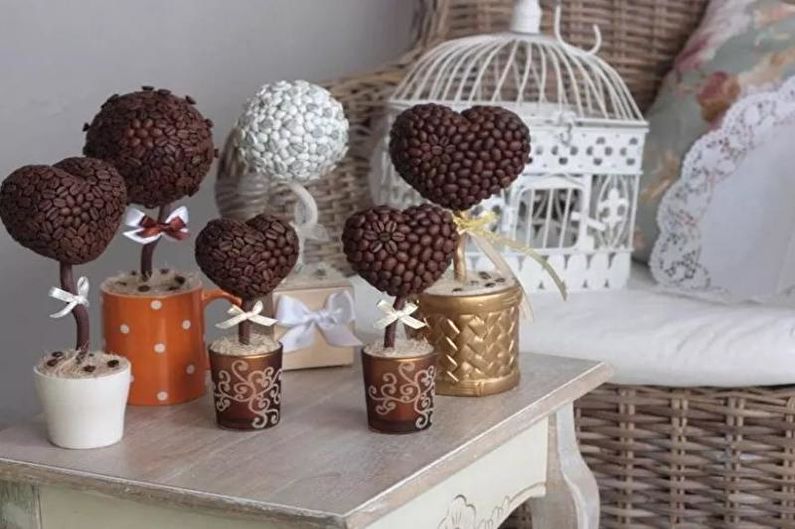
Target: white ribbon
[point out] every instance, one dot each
(133, 219)
(332, 321)
(71, 300)
(403, 315)
(306, 220)
(239, 316)
(310, 232)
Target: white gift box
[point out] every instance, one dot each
(316, 323)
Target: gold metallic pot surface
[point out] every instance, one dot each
(399, 391)
(477, 339)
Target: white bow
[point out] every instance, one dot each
(71, 300)
(403, 316)
(146, 229)
(332, 321)
(239, 316)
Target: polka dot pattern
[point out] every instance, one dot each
(162, 338)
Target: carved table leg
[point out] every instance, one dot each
(572, 498)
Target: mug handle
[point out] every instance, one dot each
(208, 296)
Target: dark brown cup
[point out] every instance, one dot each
(399, 392)
(247, 390)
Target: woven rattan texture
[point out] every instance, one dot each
(641, 38)
(695, 458)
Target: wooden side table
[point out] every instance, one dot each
(321, 467)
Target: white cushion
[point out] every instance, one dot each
(653, 338)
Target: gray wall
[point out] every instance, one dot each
(60, 60)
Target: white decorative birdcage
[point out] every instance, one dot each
(575, 202)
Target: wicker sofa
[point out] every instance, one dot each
(699, 457)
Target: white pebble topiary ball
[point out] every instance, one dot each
(294, 131)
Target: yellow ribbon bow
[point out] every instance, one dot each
(478, 229)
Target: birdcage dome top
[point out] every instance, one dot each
(535, 75)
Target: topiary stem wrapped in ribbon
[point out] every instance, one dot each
(78, 303)
(306, 221)
(161, 145)
(477, 229)
(457, 160)
(290, 132)
(248, 260)
(68, 212)
(400, 253)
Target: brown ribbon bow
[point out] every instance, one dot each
(146, 229)
(174, 228)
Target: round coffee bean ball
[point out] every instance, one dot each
(160, 144)
(456, 159)
(400, 252)
(247, 259)
(68, 212)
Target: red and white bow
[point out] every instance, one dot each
(146, 229)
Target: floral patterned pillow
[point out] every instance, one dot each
(741, 46)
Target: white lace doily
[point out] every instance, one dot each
(727, 226)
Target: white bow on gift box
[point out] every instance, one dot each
(332, 321)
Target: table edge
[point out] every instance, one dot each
(356, 518)
(362, 516)
(210, 504)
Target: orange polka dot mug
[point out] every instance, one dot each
(163, 336)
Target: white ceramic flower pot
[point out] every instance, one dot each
(84, 412)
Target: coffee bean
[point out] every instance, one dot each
(113, 363)
(53, 362)
(68, 212)
(399, 252)
(180, 280)
(89, 369)
(490, 284)
(57, 354)
(144, 288)
(160, 144)
(425, 139)
(484, 275)
(164, 271)
(248, 259)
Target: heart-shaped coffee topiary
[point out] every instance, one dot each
(400, 252)
(457, 159)
(68, 212)
(247, 259)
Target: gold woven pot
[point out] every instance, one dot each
(476, 337)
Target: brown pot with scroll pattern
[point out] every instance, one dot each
(399, 391)
(247, 390)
